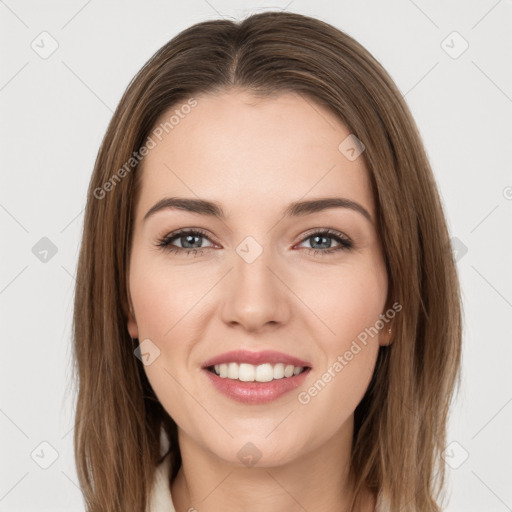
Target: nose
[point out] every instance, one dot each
(255, 294)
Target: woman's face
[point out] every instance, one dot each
(263, 281)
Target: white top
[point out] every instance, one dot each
(161, 501)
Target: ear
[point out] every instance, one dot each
(132, 323)
(386, 335)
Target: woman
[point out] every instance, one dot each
(268, 315)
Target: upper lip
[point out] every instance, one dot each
(255, 358)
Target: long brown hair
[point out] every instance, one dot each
(400, 425)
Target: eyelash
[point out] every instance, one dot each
(345, 244)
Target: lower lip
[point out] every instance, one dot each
(256, 392)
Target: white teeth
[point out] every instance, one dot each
(246, 372)
(232, 371)
(279, 371)
(288, 371)
(262, 373)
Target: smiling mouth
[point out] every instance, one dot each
(266, 372)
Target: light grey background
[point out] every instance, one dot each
(55, 111)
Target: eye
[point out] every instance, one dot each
(188, 238)
(321, 238)
(191, 238)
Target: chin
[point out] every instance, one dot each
(254, 450)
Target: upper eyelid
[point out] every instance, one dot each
(185, 231)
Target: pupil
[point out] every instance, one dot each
(188, 237)
(317, 237)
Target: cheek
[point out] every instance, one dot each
(349, 305)
(162, 296)
(164, 301)
(162, 317)
(330, 399)
(344, 302)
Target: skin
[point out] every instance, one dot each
(255, 157)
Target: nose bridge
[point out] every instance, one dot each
(251, 270)
(256, 296)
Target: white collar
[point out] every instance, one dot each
(160, 499)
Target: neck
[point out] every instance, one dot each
(318, 480)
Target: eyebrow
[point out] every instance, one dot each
(295, 209)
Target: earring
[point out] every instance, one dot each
(389, 331)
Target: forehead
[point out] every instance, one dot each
(242, 150)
